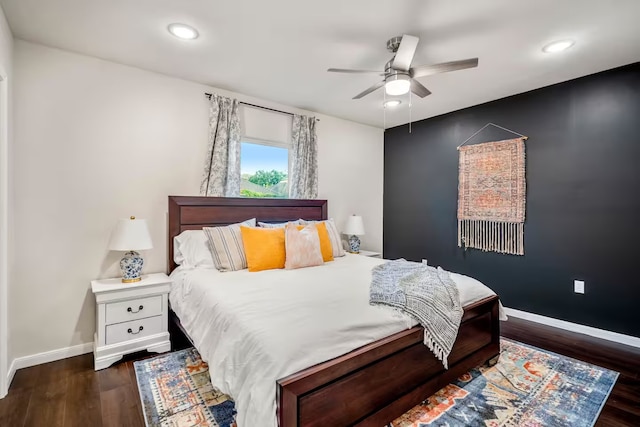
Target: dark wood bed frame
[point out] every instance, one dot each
(369, 386)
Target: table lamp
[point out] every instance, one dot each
(131, 235)
(354, 228)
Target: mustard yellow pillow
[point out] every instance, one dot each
(264, 247)
(325, 241)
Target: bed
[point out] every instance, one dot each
(369, 384)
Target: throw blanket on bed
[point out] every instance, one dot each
(425, 293)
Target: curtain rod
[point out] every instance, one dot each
(208, 95)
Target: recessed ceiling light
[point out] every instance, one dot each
(183, 31)
(558, 46)
(392, 103)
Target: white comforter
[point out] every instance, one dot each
(256, 328)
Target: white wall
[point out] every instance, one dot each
(350, 158)
(97, 141)
(6, 147)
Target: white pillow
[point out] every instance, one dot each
(191, 248)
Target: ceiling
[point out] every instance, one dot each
(279, 50)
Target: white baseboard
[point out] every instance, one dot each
(46, 357)
(11, 373)
(575, 327)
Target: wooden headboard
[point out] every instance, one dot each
(193, 213)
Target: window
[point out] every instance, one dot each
(264, 152)
(264, 168)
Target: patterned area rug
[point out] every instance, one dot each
(528, 387)
(176, 391)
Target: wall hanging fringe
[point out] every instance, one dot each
(502, 237)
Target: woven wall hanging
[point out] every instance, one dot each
(492, 195)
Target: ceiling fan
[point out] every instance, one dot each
(399, 76)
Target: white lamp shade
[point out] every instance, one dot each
(354, 226)
(130, 235)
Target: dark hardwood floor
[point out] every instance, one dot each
(70, 393)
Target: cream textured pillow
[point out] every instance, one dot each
(278, 224)
(302, 247)
(334, 236)
(226, 245)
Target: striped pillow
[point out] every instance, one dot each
(334, 236)
(226, 246)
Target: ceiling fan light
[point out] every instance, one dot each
(398, 84)
(392, 103)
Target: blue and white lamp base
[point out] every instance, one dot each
(131, 266)
(354, 244)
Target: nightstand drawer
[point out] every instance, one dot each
(123, 311)
(135, 329)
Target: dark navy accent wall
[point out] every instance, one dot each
(583, 198)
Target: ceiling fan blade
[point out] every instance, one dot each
(427, 70)
(419, 89)
(344, 70)
(371, 89)
(405, 53)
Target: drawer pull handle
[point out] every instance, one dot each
(135, 333)
(131, 311)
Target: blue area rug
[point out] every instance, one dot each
(176, 391)
(528, 387)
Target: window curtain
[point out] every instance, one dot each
(221, 176)
(303, 179)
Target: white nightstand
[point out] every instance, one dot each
(130, 317)
(370, 254)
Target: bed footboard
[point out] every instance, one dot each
(374, 384)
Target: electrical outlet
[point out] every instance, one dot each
(578, 286)
(424, 261)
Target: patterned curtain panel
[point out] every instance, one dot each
(222, 165)
(303, 178)
(491, 196)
